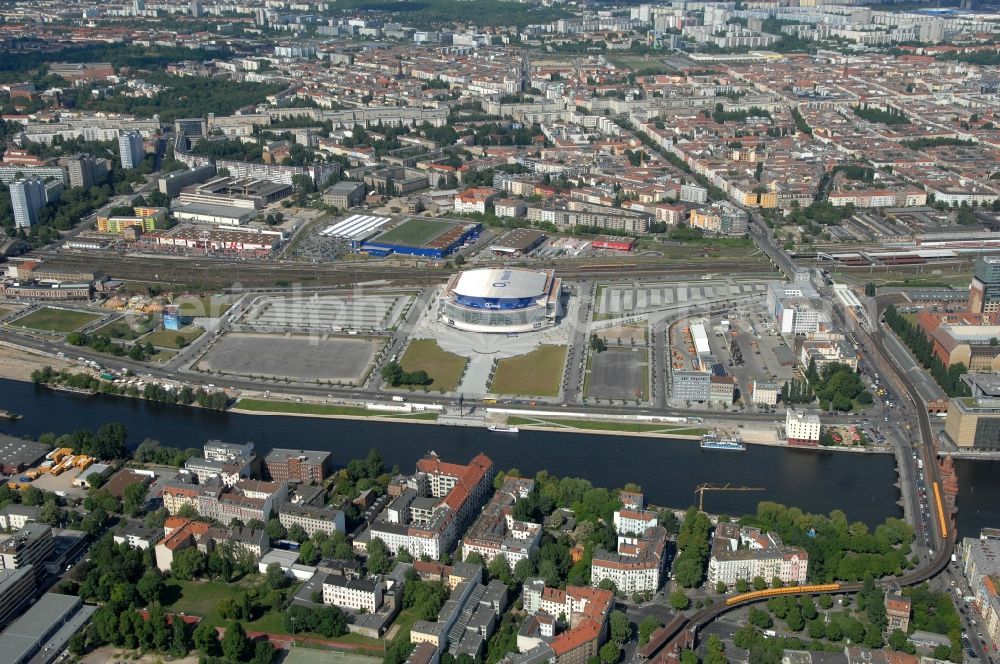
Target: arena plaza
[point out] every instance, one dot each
(501, 300)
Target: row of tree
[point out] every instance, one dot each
(948, 377)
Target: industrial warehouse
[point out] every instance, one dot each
(505, 300)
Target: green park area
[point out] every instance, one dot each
(444, 368)
(536, 374)
(51, 319)
(605, 425)
(126, 328)
(171, 338)
(302, 408)
(207, 306)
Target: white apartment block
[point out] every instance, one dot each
(312, 519)
(638, 566)
(747, 553)
(354, 594)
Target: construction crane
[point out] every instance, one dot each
(702, 488)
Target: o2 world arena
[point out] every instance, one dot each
(501, 300)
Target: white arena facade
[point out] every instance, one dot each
(501, 300)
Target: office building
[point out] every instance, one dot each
(974, 421)
(27, 198)
(41, 634)
(747, 553)
(693, 386)
(801, 427)
(345, 195)
(130, 149)
(171, 184)
(17, 586)
(31, 545)
(796, 308)
(305, 466)
(984, 291)
(218, 450)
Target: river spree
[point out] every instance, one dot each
(667, 470)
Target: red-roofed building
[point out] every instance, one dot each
(586, 610)
(433, 509)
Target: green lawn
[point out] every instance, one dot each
(168, 338)
(162, 356)
(444, 368)
(55, 320)
(432, 417)
(199, 598)
(4, 311)
(122, 329)
(207, 306)
(603, 425)
(265, 406)
(415, 232)
(537, 374)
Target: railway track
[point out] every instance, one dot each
(207, 272)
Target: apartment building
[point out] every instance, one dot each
(497, 533)
(586, 612)
(433, 506)
(466, 621)
(16, 516)
(303, 466)
(633, 517)
(748, 553)
(312, 519)
(637, 566)
(981, 566)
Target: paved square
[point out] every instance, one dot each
(302, 358)
(619, 373)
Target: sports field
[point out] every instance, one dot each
(414, 232)
(55, 320)
(537, 374)
(296, 655)
(444, 368)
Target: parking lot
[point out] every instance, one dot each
(326, 313)
(297, 358)
(619, 373)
